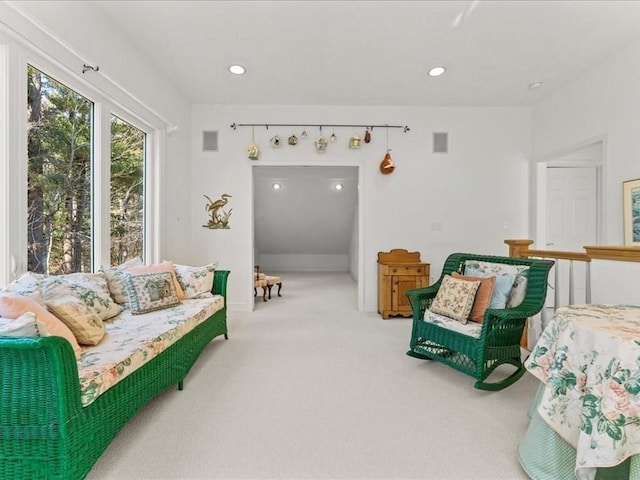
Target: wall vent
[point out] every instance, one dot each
(210, 141)
(440, 142)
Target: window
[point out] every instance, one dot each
(64, 230)
(127, 191)
(59, 192)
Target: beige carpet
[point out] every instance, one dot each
(308, 388)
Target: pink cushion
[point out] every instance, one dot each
(13, 306)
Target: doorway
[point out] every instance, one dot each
(569, 216)
(569, 198)
(307, 219)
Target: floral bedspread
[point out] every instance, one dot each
(589, 359)
(133, 340)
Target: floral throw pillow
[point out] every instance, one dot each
(150, 291)
(82, 320)
(90, 288)
(115, 280)
(455, 298)
(493, 268)
(196, 282)
(28, 285)
(166, 266)
(519, 290)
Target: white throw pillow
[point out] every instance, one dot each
(26, 325)
(196, 282)
(28, 285)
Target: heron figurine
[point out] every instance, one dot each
(218, 218)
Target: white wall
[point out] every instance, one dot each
(472, 192)
(353, 245)
(615, 282)
(603, 102)
(303, 263)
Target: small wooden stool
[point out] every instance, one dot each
(260, 281)
(273, 280)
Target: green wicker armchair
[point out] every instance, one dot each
(45, 432)
(499, 340)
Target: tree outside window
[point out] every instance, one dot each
(59, 147)
(127, 191)
(61, 185)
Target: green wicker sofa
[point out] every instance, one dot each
(500, 332)
(46, 433)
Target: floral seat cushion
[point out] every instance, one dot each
(473, 329)
(133, 340)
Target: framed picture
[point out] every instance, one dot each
(631, 212)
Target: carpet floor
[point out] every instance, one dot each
(307, 387)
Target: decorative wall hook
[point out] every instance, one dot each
(86, 68)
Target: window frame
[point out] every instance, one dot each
(5, 200)
(14, 59)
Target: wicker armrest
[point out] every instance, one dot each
(524, 310)
(220, 283)
(420, 298)
(507, 318)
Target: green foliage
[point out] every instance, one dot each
(127, 191)
(562, 383)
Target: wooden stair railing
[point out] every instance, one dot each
(520, 248)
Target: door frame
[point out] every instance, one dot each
(361, 216)
(566, 157)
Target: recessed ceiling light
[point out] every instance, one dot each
(276, 186)
(436, 71)
(237, 69)
(338, 186)
(534, 85)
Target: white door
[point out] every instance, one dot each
(571, 223)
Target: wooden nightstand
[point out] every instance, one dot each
(399, 271)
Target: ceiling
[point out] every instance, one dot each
(374, 52)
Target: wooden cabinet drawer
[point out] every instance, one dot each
(407, 270)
